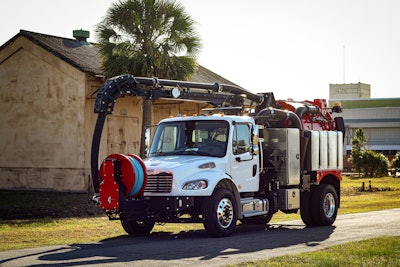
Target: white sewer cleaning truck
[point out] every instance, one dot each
(245, 159)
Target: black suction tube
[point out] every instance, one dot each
(94, 160)
(281, 115)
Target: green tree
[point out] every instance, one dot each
(367, 163)
(374, 164)
(148, 38)
(383, 165)
(357, 150)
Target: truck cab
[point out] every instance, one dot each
(202, 150)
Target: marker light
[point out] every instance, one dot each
(175, 92)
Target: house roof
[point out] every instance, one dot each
(86, 58)
(207, 76)
(83, 57)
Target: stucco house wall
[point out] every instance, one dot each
(47, 118)
(43, 126)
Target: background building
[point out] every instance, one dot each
(349, 91)
(378, 117)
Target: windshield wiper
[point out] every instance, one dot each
(193, 152)
(157, 153)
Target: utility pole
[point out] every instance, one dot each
(344, 64)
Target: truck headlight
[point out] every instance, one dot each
(195, 185)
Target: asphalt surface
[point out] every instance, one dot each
(195, 248)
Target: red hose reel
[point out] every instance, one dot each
(128, 170)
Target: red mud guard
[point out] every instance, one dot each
(127, 169)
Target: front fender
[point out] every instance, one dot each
(213, 178)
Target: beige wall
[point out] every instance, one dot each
(42, 123)
(163, 108)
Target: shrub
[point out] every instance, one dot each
(396, 162)
(374, 164)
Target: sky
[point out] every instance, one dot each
(294, 48)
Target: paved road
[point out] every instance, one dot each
(196, 249)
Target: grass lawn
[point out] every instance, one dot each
(43, 218)
(382, 251)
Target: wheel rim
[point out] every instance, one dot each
(225, 213)
(329, 205)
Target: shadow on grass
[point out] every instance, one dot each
(165, 246)
(157, 247)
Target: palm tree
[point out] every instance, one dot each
(153, 38)
(148, 38)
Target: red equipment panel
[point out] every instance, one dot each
(109, 197)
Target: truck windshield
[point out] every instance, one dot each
(206, 138)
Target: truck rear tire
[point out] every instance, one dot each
(133, 227)
(324, 205)
(220, 213)
(305, 208)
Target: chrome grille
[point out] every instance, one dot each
(159, 183)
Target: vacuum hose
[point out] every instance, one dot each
(279, 114)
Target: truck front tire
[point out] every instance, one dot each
(133, 227)
(220, 213)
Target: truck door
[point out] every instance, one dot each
(244, 163)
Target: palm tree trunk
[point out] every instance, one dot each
(146, 121)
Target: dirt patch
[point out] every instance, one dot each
(37, 204)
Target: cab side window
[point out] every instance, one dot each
(241, 139)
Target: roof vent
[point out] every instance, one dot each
(81, 36)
